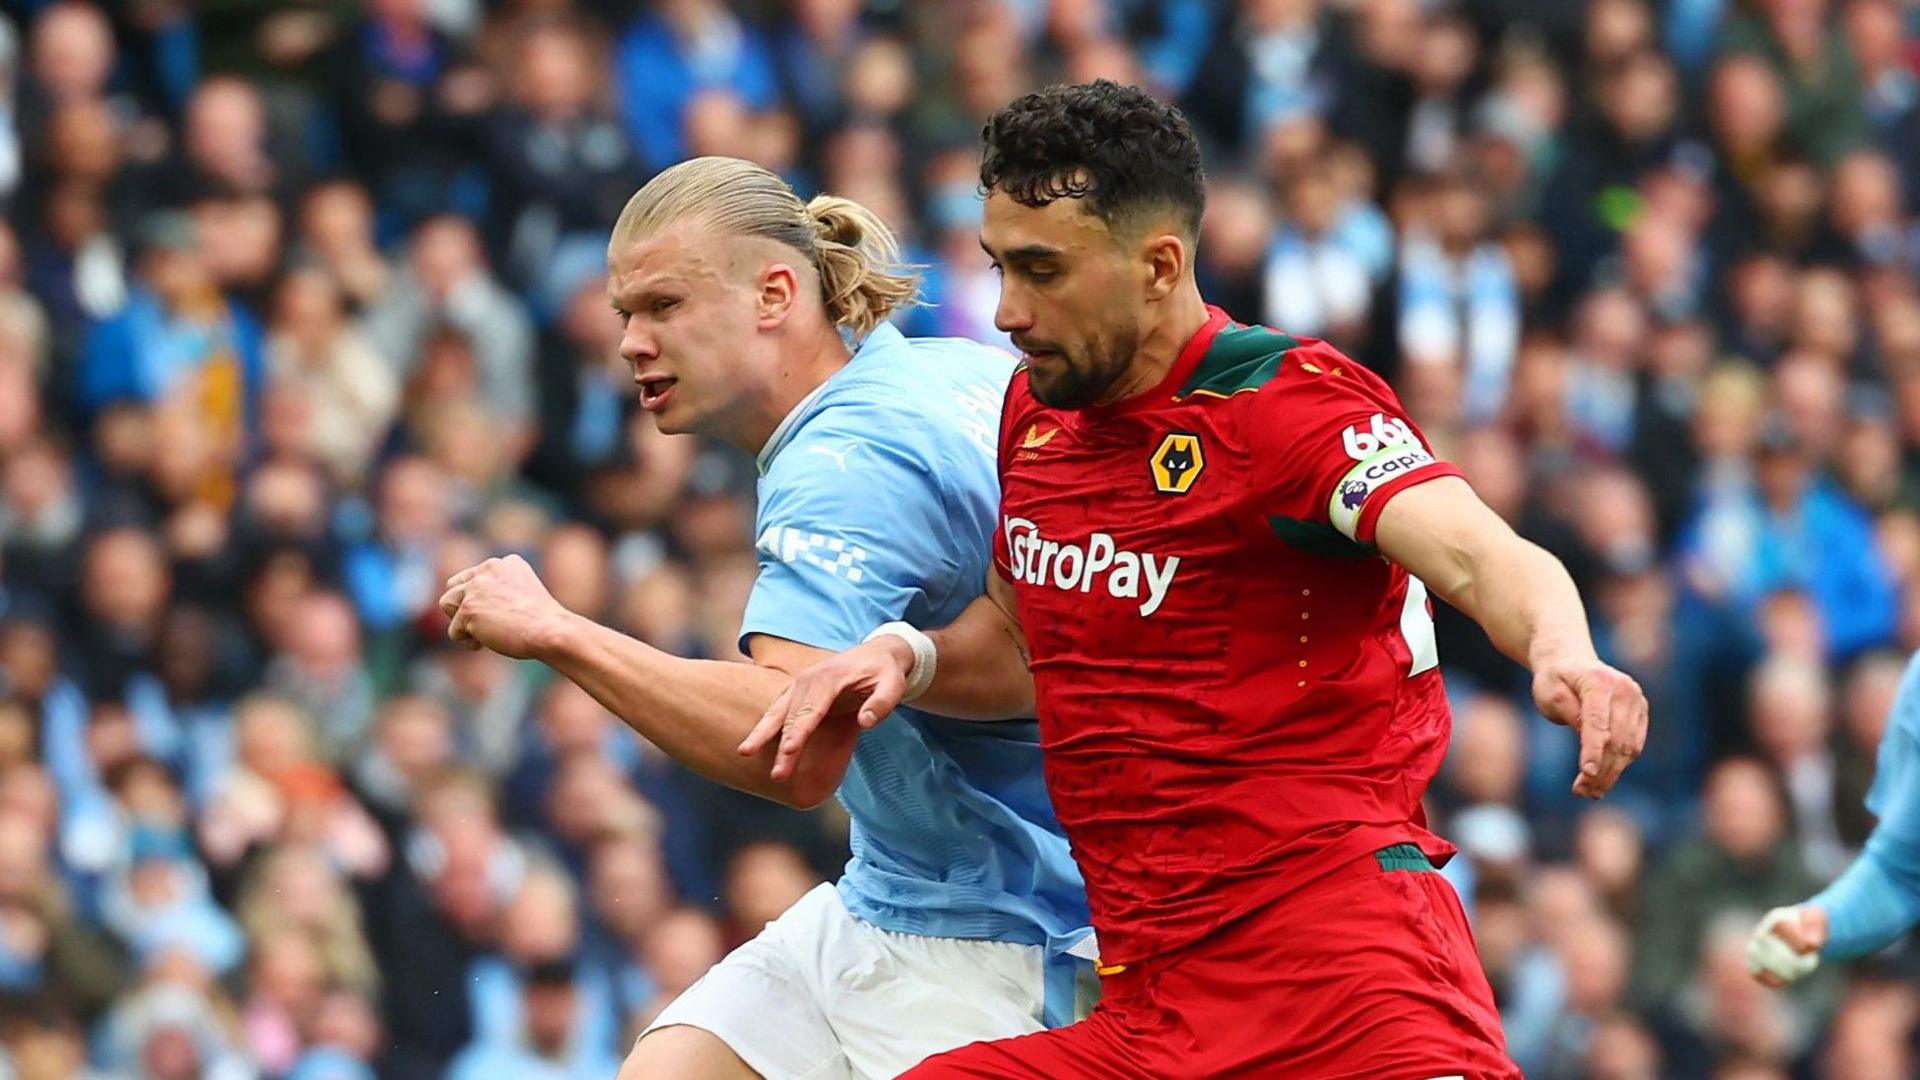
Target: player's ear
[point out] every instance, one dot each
(1166, 255)
(779, 291)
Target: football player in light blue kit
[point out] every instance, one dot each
(1877, 899)
(961, 915)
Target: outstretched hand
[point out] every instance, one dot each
(1605, 706)
(866, 681)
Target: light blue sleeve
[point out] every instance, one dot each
(852, 531)
(1878, 898)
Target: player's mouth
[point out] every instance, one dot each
(1034, 356)
(655, 390)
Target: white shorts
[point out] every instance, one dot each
(822, 995)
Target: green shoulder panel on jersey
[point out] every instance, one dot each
(1316, 538)
(1241, 358)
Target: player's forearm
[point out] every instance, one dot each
(697, 711)
(1523, 598)
(1878, 898)
(982, 671)
(1868, 907)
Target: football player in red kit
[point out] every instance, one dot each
(1214, 552)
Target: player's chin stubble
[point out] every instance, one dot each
(1076, 384)
(1067, 387)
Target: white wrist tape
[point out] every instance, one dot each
(1768, 952)
(925, 657)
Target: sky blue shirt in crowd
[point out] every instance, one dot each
(878, 497)
(1878, 897)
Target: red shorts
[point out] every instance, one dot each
(1369, 972)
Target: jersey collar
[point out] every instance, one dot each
(784, 433)
(1176, 377)
(880, 337)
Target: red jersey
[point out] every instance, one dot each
(1236, 693)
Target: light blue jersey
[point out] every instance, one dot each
(879, 494)
(1878, 898)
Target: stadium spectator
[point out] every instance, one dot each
(554, 1041)
(672, 53)
(321, 673)
(1459, 305)
(316, 351)
(1596, 959)
(412, 742)
(1809, 52)
(412, 101)
(390, 574)
(1743, 860)
(562, 165)
(1320, 274)
(223, 145)
(70, 56)
(50, 947)
(583, 410)
(448, 284)
(1621, 1048)
(1791, 705)
(337, 228)
(1872, 1032)
(180, 340)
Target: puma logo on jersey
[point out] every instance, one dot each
(1070, 567)
(839, 456)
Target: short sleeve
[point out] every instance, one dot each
(1334, 444)
(852, 532)
(1898, 760)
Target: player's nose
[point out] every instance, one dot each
(1012, 314)
(638, 346)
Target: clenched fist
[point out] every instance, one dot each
(502, 605)
(1786, 946)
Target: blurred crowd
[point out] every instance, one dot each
(302, 308)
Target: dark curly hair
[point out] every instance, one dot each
(1116, 147)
